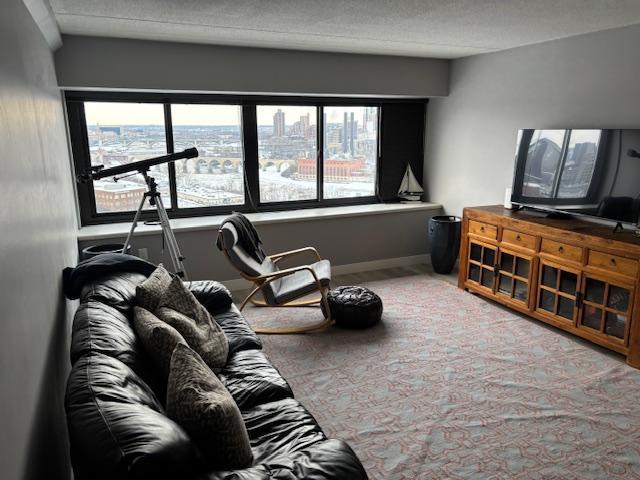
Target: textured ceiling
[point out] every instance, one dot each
(423, 28)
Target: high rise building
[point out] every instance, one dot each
(345, 133)
(325, 130)
(352, 136)
(278, 123)
(370, 119)
(304, 125)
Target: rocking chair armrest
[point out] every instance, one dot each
(279, 256)
(269, 277)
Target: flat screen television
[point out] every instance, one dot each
(592, 172)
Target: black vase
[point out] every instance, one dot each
(444, 239)
(95, 250)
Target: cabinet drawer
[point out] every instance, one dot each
(519, 239)
(483, 229)
(613, 263)
(561, 250)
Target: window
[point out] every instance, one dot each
(216, 177)
(287, 153)
(120, 133)
(256, 153)
(350, 151)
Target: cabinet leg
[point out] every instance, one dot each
(633, 359)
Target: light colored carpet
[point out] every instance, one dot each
(452, 386)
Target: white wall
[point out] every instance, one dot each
(344, 241)
(99, 63)
(92, 62)
(37, 240)
(587, 81)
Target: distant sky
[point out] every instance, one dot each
(116, 113)
(205, 114)
(291, 114)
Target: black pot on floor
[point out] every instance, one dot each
(444, 238)
(94, 250)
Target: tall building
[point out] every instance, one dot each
(345, 133)
(278, 123)
(304, 125)
(370, 119)
(349, 133)
(325, 130)
(352, 136)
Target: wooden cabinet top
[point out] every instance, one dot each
(571, 230)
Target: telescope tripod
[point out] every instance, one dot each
(156, 200)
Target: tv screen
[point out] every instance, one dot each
(594, 172)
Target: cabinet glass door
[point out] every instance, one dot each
(482, 260)
(557, 291)
(606, 308)
(514, 276)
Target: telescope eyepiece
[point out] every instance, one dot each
(191, 152)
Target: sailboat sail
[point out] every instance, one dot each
(410, 188)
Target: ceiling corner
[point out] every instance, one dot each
(42, 14)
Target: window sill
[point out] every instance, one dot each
(119, 230)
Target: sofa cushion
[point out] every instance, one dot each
(117, 427)
(117, 290)
(198, 401)
(252, 380)
(98, 327)
(238, 332)
(158, 338)
(280, 428)
(149, 292)
(180, 309)
(326, 460)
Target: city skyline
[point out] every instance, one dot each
(287, 152)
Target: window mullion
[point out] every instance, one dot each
(250, 147)
(168, 130)
(320, 151)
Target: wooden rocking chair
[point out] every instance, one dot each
(279, 288)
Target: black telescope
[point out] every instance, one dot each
(98, 172)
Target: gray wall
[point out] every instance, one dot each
(342, 240)
(587, 81)
(137, 64)
(38, 239)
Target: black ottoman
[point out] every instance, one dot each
(354, 307)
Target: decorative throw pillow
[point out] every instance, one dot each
(200, 403)
(180, 309)
(158, 338)
(149, 292)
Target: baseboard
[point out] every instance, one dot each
(241, 284)
(379, 264)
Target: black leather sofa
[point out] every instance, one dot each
(114, 400)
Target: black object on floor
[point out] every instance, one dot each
(354, 307)
(444, 239)
(95, 250)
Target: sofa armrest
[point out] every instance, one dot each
(213, 295)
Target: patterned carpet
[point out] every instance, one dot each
(452, 386)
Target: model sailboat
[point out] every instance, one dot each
(410, 189)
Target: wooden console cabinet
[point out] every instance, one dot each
(573, 274)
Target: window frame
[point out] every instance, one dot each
(74, 102)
